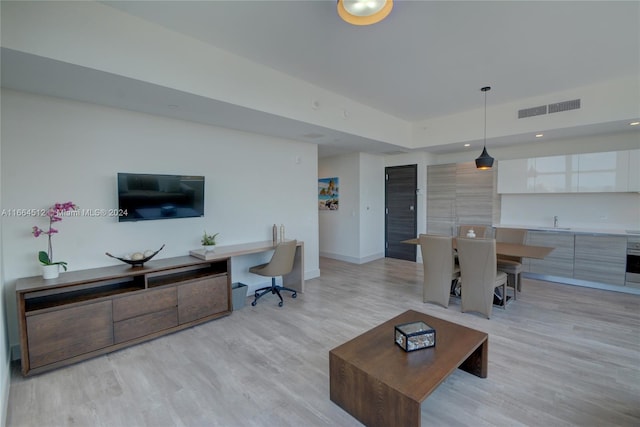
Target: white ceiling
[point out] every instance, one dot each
(427, 59)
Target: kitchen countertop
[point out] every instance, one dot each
(575, 230)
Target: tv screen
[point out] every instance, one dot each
(151, 196)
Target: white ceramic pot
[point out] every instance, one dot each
(209, 248)
(50, 271)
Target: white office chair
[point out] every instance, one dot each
(281, 264)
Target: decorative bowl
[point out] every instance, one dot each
(136, 262)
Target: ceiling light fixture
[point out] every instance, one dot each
(364, 12)
(485, 161)
(539, 135)
(634, 123)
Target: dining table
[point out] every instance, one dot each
(508, 249)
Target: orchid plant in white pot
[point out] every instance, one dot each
(51, 268)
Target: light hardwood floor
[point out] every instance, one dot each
(560, 355)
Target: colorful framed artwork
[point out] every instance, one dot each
(328, 194)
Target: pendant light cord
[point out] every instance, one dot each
(485, 90)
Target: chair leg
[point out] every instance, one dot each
(260, 294)
(282, 288)
(277, 292)
(504, 298)
(456, 288)
(512, 280)
(274, 289)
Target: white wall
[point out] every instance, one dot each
(5, 347)
(355, 232)
(601, 211)
(339, 229)
(371, 206)
(55, 150)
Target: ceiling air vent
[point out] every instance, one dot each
(534, 111)
(564, 106)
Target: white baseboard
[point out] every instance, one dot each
(352, 260)
(15, 352)
(583, 283)
(4, 393)
(311, 274)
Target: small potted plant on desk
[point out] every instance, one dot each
(209, 241)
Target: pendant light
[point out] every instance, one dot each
(485, 161)
(364, 12)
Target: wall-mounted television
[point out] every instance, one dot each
(152, 196)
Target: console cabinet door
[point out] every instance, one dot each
(203, 297)
(69, 332)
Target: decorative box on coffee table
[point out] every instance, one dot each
(415, 336)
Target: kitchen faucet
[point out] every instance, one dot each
(555, 221)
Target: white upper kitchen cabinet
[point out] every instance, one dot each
(556, 174)
(516, 176)
(603, 172)
(611, 171)
(634, 170)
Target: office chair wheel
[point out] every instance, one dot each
(280, 304)
(253, 303)
(295, 294)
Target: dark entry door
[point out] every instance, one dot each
(401, 216)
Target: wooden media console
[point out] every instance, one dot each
(83, 314)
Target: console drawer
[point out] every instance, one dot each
(146, 324)
(150, 301)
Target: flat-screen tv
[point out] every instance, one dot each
(152, 196)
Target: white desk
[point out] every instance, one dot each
(294, 280)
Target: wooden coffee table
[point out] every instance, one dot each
(380, 384)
